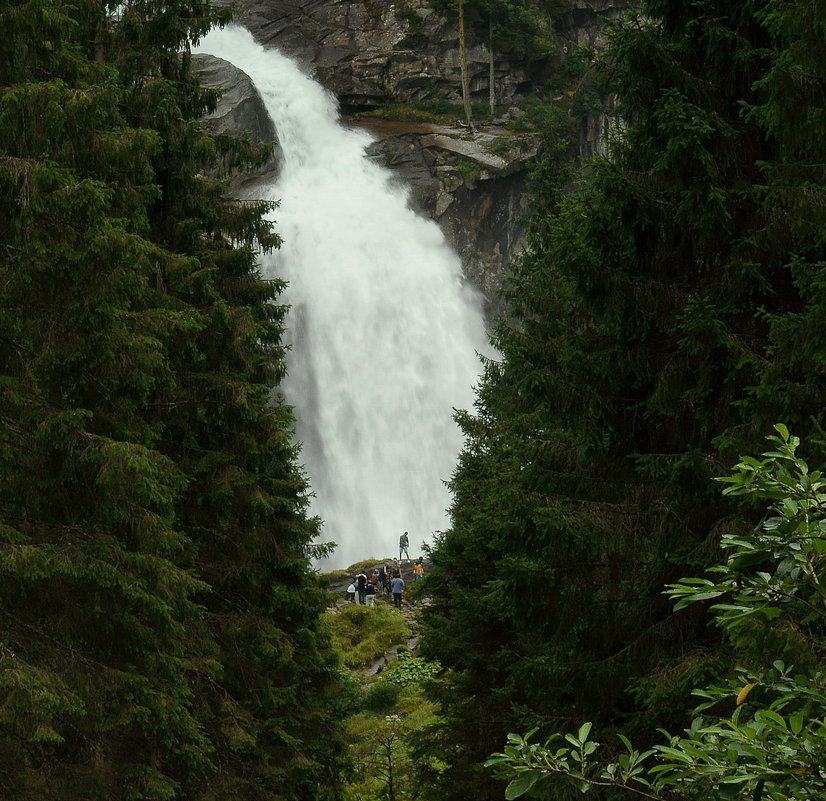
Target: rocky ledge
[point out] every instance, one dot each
(473, 186)
(373, 54)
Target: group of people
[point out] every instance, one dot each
(385, 579)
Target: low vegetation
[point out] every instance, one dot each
(362, 634)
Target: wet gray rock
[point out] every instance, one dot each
(584, 24)
(240, 109)
(474, 187)
(372, 53)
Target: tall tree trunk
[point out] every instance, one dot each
(491, 78)
(463, 59)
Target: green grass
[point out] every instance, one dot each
(364, 565)
(348, 572)
(361, 634)
(469, 168)
(332, 577)
(400, 112)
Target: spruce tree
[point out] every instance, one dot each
(664, 318)
(159, 616)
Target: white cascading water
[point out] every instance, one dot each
(384, 332)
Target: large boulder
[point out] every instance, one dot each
(240, 109)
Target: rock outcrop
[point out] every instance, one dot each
(473, 187)
(584, 26)
(372, 53)
(240, 108)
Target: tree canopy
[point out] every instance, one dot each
(769, 599)
(159, 634)
(664, 317)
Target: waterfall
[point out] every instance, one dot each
(384, 332)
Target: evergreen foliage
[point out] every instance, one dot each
(159, 634)
(761, 735)
(664, 318)
(520, 26)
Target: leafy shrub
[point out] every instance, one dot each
(409, 669)
(347, 697)
(771, 745)
(469, 168)
(382, 697)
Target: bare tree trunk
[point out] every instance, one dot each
(491, 78)
(463, 59)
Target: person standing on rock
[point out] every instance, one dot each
(397, 585)
(370, 593)
(361, 588)
(404, 543)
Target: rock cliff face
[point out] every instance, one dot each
(372, 53)
(474, 188)
(584, 26)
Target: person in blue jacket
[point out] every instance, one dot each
(397, 587)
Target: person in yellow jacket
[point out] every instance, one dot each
(418, 569)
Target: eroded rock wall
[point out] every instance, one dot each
(473, 187)
(584, 26)
(371, 53)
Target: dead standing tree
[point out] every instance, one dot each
(463, 64)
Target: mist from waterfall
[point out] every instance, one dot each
(384, 331)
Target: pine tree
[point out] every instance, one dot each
(159, 617)
(662, 321)
(759, 734)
